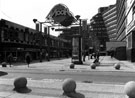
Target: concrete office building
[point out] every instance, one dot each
(110, 20)
(98, 31)
(119, 33)
(121, 20)
(20, 40)
(129, 36)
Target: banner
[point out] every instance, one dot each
(75, 50)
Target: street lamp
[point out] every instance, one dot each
(80, 39)
(48, 38)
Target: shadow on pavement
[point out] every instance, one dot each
(73, 95)
(2, 73)
(22, 90)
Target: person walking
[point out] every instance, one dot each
(47, 56)
(97, 55)
(10, 59)
(112, 54)
(84, 55)
(40, 57)
(27, 58)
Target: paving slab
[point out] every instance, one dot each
(42, 88)
(50, 86)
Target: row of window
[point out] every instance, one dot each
(31, 38)
(110, 10)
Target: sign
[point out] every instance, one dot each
(68, 21)
(59, 13)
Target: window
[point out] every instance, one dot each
(129, 17)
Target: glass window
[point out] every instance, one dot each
(129, 17)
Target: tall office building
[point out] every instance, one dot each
(110, 20)
(98, 30)
(130, 28)
(121, 20)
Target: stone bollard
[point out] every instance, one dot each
(72, 66)
(117, 66)
(20, 85)
(69, 88)
(93, 66)
(4, 64)
(69, 85)
(129, 89)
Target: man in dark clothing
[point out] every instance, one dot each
(97, 55)
(27, 59)
(47, 56)
(10, 59)
(84, 55)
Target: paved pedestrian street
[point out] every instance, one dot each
(52, 88)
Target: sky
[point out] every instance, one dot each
(24, 11)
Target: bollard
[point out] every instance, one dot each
(69, 85)
(69, 88)
(72, 66)
(20, 85)
(117, 66)
(93, 66)
(4, 64)
(129, 89)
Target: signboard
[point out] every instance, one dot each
(58, 13)
(75, 50)
(61, 14)
(114, 44)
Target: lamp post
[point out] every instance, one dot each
(80, 39)
(48, 39)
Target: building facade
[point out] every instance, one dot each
(130, 29)
(19, 40)
(121, 20)
(110, 20)
(98, 31)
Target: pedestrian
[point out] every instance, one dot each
(10, 59)
(27, 58)
(112, 54)
(97, 55)
(84, 55)
(0, 58)
(47, 56)
(94, 54)
(40, 56)
(96, 60)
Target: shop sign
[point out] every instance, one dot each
(59, 13)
